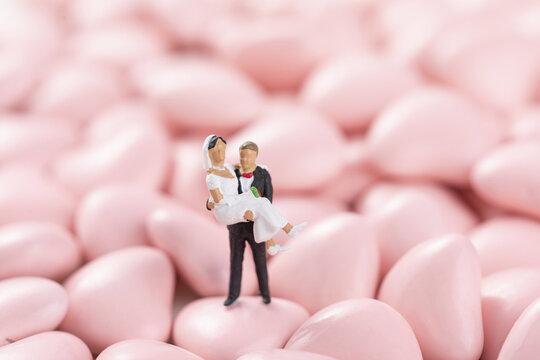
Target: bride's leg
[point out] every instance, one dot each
(272, 248)
(287, 227)
(293, 230)
(263, 208)
(271, 213)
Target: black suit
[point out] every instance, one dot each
(242, 232)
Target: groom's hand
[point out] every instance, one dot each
(210, 205)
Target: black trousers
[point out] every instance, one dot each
(238, 235)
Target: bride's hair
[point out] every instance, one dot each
(209, 143)
(213, 141)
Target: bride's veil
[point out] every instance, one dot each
(207, 164)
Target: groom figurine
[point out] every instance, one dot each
(257, 176)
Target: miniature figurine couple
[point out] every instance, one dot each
(241, 199)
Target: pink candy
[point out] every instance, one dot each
(50, 345)
(37, 249)
(432, 133)
(144, 349)
(194, 243)
(184, 86)
(405, 132)
(103, 312)
(436, 287)
(341, 244)
(30, 305)
(346, 87)
(249, 326)
(283, 131)
(364, 328)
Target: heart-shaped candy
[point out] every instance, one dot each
(93, 14)
(474, 55)
(298, 209)
(342, 248)
(51, 345)
(282, 354)
(20, 72)
(122, 295)
(403, 24)
(507, 242)
(355, 177)
(357, 329)
(436, 287)
(188, 178)
(121, 43)
(29, 194)
(113, 217)
(30, 305)
(414, 213)
(144, 349)
(277, 51)
(126, 143)
(526, 124)
(184, 86)
(307, 137)
(78, 90)
(353, 88)
(33, 140)
(434, 133)
(216, 332)
(200, 249)
(30, 39)
(522, 340)
(509, 177)
(186, 22)
(505, 295)
(37, 249)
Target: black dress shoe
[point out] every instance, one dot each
(266, 299)
(229, 301)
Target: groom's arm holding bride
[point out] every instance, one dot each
(267, 190)
(265, 187)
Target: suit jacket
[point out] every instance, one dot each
(261, 180)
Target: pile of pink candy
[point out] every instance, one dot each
(406, 132)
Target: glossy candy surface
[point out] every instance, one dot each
(405, 132)
(246, 326)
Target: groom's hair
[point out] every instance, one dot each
(214, 140)
(250, 145)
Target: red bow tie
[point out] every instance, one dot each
(248, 175)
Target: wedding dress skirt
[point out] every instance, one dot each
(267, 220)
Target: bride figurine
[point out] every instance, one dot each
(231, 207)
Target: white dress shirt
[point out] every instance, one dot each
(246, 183)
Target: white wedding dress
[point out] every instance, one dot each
(267, 220)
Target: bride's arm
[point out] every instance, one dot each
(216, 195)
(212, 183)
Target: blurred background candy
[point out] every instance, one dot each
(406, 132)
